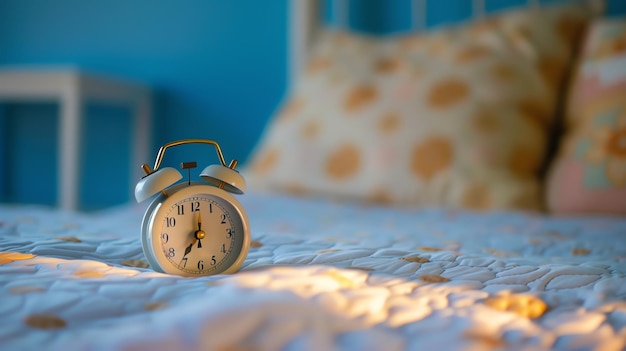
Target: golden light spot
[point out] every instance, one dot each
(360, 97)
(432, 278)
(71, 239)
(524, 161)
(155, 305)
(476, 197)
(344, 162)
(326, 251)
(472, 54)
(580, 251)
(387, 65)
(311, 130)
(521, 304)
(88, 274)
(431, 157)
(266, 161)
(447, 92)
(25, 289)
(45, 321)
(389, 123)
(8, 257)
(255, 243)
(415, 259)
(135, 263)
(343, 281)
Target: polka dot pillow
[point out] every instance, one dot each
(589, 174)
(457, 117)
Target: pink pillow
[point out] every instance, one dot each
(589, 174)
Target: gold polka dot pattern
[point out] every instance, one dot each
(45, 321)
(135, 263)
(456, 117)
(432, 278)
(344, 162)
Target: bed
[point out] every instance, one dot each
(343, 276)
(437, 261)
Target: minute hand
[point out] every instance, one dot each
(199, 234)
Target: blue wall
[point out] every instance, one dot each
(217, 68)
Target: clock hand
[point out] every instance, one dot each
(199, 234)
(188, 249)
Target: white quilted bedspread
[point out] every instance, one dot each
(319, 276)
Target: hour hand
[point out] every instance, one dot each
(188, 249)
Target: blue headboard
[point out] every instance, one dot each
(391, 16)
(382, 17)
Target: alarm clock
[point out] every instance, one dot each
(193, 228)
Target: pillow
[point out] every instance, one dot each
(457, 117)
(589, 174)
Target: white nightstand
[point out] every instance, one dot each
(71, 88)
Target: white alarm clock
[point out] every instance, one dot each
(194, 228)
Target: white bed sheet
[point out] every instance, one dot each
(320, 275)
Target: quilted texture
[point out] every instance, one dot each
(456, 117)
(589, 174)
(319, 276)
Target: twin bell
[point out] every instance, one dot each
(219, 175)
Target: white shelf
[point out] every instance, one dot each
(71, 88)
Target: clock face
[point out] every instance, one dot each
(196, 232)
